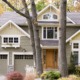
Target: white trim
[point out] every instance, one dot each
(49, 47)
(51, 19)
(3, 26)
(20, 53)
(76, 49)
(46, 33)
(75, 41)
(10, 44)
(7, 53)
(50, 5)
(73, 36)
(71, 20)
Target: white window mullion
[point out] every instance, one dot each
(46, 32)
(79, 55)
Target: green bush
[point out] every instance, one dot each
(14, 76)
(71, 67)
(78, 71)
(51, 75)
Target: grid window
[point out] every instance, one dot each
(47, 16)
(16, 40)
(23, 56)
(75, 55)
(75, 45)
(3, 56)
(10, 40)
(5, 40)
(50, 32)
(54, 16)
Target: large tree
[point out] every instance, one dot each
(62, 61)
(34, 32)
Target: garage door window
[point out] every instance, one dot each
(3, 56)
(23, 56)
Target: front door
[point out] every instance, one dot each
(51, 58)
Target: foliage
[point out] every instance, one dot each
(51, 75)
(78, 71)
(77, 7)
(71, 77)
(57, 3)
(70, 6)
(71, 67)
(40, 5)
(14, 76)
(1, 9)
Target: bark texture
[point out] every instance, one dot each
(30, 26)
(37, 39)
(62, 60)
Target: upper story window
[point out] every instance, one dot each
(76, 45)
(50, 16)
(47, 16)
(54, 16)
(10, 41)
(49, 32)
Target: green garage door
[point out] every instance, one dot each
(20, 62)
(3, 64)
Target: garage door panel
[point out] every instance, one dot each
(3, 64)
(21, 61)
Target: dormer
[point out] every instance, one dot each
(49, 13)
(50, 16)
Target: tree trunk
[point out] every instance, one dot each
(37, 39)
(30, 26)
(62, 61)
(32, 40)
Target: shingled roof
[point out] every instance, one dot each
(49, 42)
(19, 20)
(74, 16)
(13, 16)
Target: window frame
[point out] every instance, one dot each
(8, 39)
(54, 34)
(73, 53)
(76, 49)
(51, 18)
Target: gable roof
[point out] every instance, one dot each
(73, 36)
(13, 16)
(50, 5)
(3, 26)
(74, 17)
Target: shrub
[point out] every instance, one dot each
(30, 76)
(14, 76)
(78, 71)
(71, 67)
(51, 75)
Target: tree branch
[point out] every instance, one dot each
(17, 11)
(26, 7)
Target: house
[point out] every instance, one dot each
(15, 48)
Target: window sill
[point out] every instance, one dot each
(10, 45)
(50, 39)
